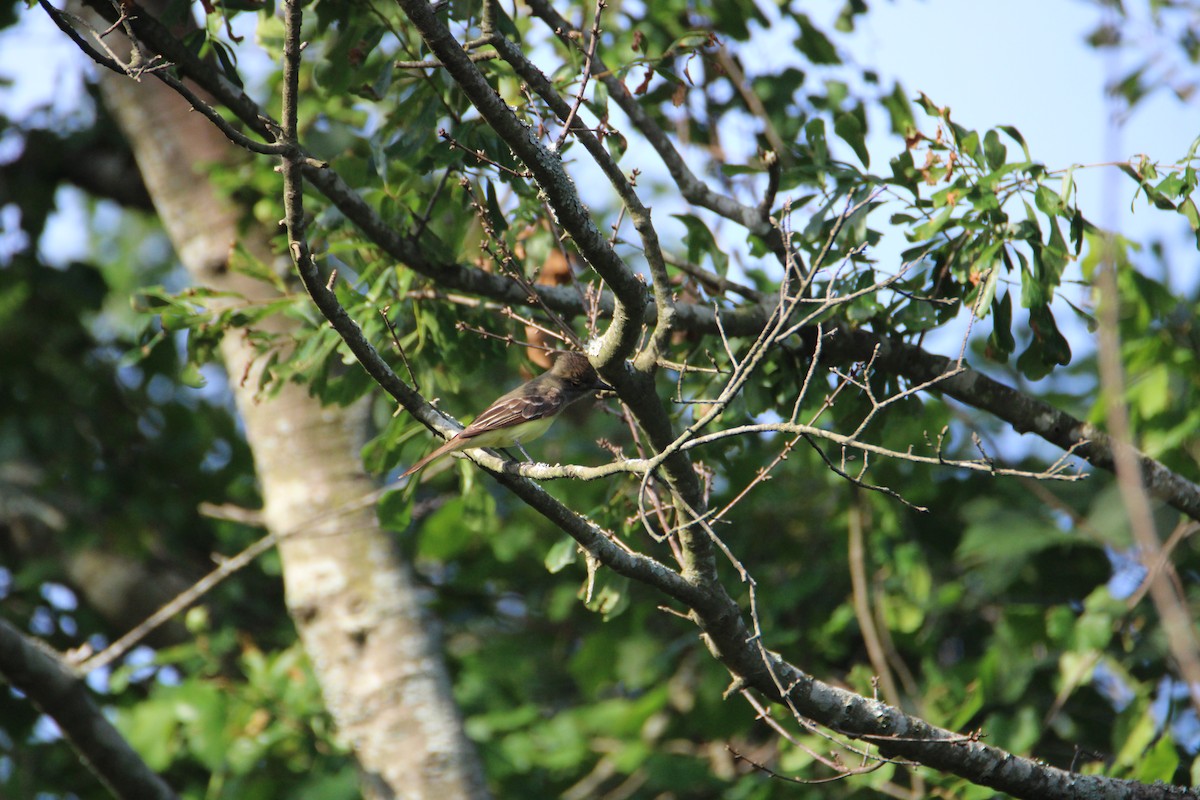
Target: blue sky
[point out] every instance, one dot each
(1021, 62)
(1025, 63)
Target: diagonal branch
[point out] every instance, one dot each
(721, 621)
(59, 694)
(636, 386)
(692, 188)
(551, 178)
(638, 212)
(1024, 413)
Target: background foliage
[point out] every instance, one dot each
(1008, 606)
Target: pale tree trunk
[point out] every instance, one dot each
(354, 603)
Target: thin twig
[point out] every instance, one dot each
(181, 601)
(1176, 620)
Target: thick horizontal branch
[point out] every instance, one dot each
(900, 735)
(724, 631)
(719, 618)
(1024, 413)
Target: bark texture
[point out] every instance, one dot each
(355, 604)
(64, 698)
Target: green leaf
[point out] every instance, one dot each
(152, 729)
(900, 111)
(1088, 319)
(243, 261)
(815, 45)
(918, 315)
(1188, 209)
(1159, 763)
(852, 131)
(499, 219)
(599, 104)
(395, 510)
(967, 140)
(986, 267)
(610, 595)
(383, 81)
(1048, 202)
(997, 533)
(700, 242)
(1001, 343)
(227, 61)
(967, 709)
(617, 145)
(191, 376)
(444, 534)
(929, 229)
(1052, 258)
(994, 150)
(1150, 393)
(931, 108)
(561, 555)
(202, 709)
(1139, 739)
(814, 133)
(1018, 138)
(1068, 183)
(905, 173)
(506, 26)
(1058, 350)
(1048, 348)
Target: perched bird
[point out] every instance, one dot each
(527, 411)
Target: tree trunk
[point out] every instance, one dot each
(355, 604)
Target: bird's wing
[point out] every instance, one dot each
(509, 411)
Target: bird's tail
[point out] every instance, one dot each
(447, 447)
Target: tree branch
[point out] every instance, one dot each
(1024, 413)
(548, 172)
(720, 619)
(58, 694)
(692, 188)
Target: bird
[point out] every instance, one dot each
(527, 411)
